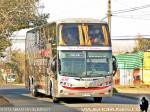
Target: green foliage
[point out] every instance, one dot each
(18, 58)
(16, 15)
(1, 78)
(17, 64)
(19, 14)
(4, 43)
(40, 20)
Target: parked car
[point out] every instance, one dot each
(11, 78)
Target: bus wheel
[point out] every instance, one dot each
(97, 99)
(50, 86)
(34, 92)
(55, 100)
(29, 86)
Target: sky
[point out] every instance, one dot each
(123, 24)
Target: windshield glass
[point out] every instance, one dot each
(91, 34)
(72, 63)
(97, 65)
(85, 64)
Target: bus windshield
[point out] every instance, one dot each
(97, 65)
(72, 63)
(90, 34)
(83, 64)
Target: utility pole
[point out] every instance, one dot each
(109, 15)
(142, 71)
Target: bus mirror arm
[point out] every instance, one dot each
(53, 65)
(114, 65)
(53, 68)
(114, 72)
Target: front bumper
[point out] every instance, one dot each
(105, 91)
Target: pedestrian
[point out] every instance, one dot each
(144, 104)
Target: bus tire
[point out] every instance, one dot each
(97, 99)
(55, 100)
(34, 92)
(50, 90)
(29, 85)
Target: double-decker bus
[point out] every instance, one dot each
(70, 58)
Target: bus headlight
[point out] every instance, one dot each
(105, 83)
(66, 84)
(108, 83)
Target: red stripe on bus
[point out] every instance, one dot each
(101, 93)
(86, 89)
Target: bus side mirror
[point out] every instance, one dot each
(59, 65)
(54, 68)
(114, 65)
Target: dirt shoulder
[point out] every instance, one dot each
(132, 92)
(132, 89)
(4, 102)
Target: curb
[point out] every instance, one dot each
(126, 96)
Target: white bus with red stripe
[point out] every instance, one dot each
(70, 58)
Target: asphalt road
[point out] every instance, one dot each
(22, 101)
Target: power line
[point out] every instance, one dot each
(122, 39)
(130, 17)
(131, 9)
(130, 35)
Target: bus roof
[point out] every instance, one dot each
(71, 20)
(79, 20)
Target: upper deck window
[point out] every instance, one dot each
(69, 35)
(92, 34)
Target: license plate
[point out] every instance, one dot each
(85, 94)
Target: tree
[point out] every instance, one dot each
(143, 44)
(17, 64)
(16, 15)
(4, 43)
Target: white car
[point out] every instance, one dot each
(11, 78)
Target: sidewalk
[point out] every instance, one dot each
(133, 89)
(11, 85)
(134, 92)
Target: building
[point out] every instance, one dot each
(133, 69)
(120, 46)
(126, 45)
(18, 39)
